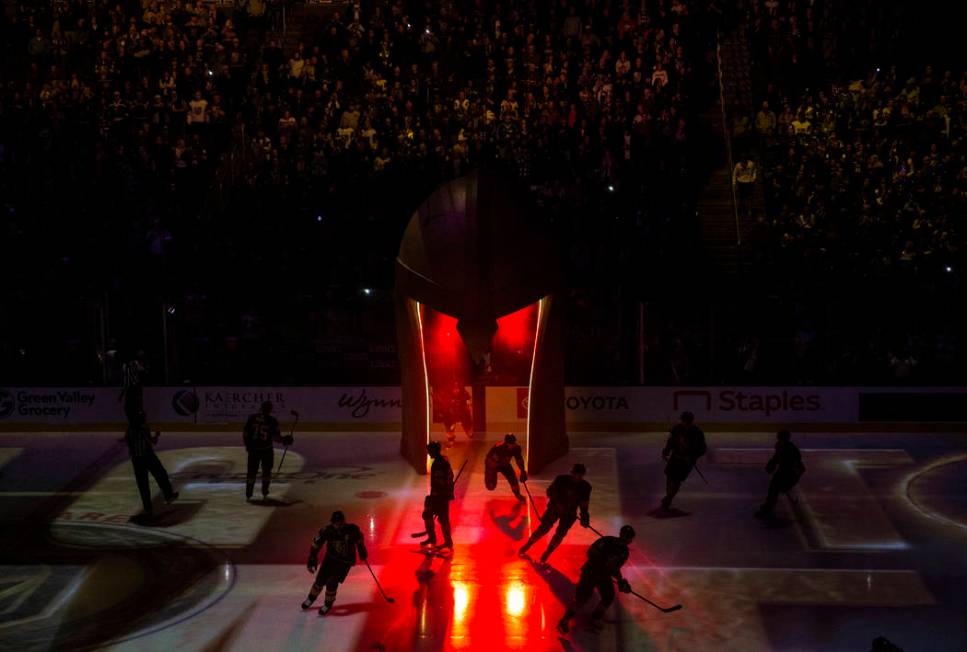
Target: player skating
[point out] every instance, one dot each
(498, 461)
(606, 556)
(686, 443)
(457, 410)
(786, 468)
(437, 504)
(566, 495)
(342, 540)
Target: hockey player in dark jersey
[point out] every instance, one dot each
(786, 468)
(261, 431)
(566, 495)
(498, 461)
(606, 556)
(342, 540)
(686, 443)
(456, 410)
(437, 504)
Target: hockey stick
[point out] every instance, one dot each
(638, 595)
(385, 597)
(417, 535)
(460, 472)
(540, 517)
(700, 474)
(660, 608)
(694, 465)
(291, 430)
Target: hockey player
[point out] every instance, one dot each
(457, 410)
(143, 459)
(437, 504)
(498, 461)
(686, 443)
(342, 541)
(606, 556)
(261, 431)
(567, 494)
(786, 468)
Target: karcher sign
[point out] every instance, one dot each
(233, 405)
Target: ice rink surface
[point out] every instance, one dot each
(873, 546)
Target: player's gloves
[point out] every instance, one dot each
(585, 520)
(287, 440)
(312, 565)
(624, 586)
(523, 475)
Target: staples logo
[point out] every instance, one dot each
(730, 400)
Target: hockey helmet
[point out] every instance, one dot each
(433, 448)
(510, 438)
(338, 517)
(688, 417)
(578, 469)
(627, 532)
(783, 435)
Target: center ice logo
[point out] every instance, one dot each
(7, 404)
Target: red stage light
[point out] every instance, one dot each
(516, 330)
(447, 358)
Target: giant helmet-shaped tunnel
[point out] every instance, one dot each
(474, 255)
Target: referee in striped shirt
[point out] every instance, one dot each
(132, 390)
(141, 448)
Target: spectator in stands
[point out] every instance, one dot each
(744, 177)
(765, 122)
(193, 110)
